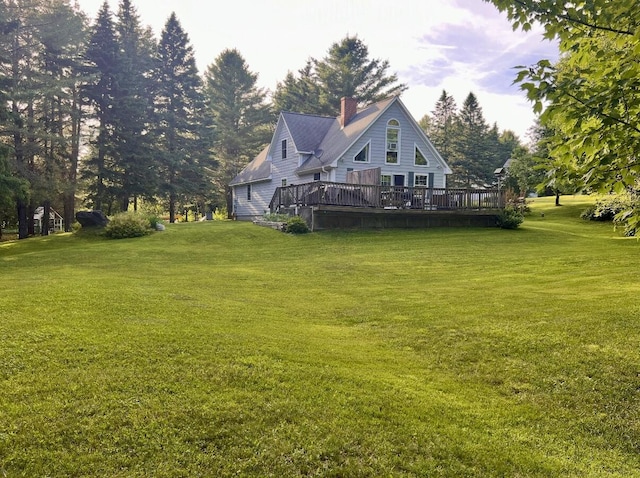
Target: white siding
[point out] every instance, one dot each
(409, 138)
(261, 194)
(283, 168)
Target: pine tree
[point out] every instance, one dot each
(39, 45)
(243, 120)
(102, 64)
(181, 117)
(348, 71)
(62, 32)
(299, 94)
(443, 122)
(133, 109)
(470, 159)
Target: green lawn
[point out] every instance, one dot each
(226, 349)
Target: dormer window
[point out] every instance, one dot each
(284, 149)
(363, 155)
(419, 158)
(393, 142)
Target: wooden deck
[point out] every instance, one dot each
(387, 198)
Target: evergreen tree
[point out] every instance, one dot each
(102, 64)
(470, 159)
(133, 109)
(348, 71)
(242, 118)
(442, 125)
(181, 117)
(299, 94)
(62, 32)
(39, 45)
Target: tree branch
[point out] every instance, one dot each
(596, 112)
(572, 20)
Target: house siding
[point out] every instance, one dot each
(409, 138)
(248, 210)
(283, 168)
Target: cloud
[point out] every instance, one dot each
(486, 54)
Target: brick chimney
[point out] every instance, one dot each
(348, 109)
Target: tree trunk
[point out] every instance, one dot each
(68, 215)
(46, 214)
(23, 221)
(31, 227)
(557, 198)
(229, 197)
(172, 208)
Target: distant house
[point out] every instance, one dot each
(381, 144)
(55, 222)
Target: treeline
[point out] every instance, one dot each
(100, 113)
(472, 147)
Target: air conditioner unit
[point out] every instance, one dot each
(392, 146)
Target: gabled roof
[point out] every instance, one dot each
(338, 139)
(307, 131)
(324, 140)
(257, 170)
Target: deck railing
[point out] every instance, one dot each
(387, 197)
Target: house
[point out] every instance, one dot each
(380, 144)
(55, 223)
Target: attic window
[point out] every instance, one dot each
(420, 159)
(284, 149)
(393, 142)
(363, 155)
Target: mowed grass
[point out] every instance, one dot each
(226, 349)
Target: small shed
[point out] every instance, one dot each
(56, 223)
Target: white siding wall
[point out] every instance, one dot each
(409, 138)
(261, 194)
(284, 168)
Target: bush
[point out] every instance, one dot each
(509, 218)
(607, 207)
(296, 225)
(220, 214)
(127, 224)
(154, 221)
(274, 217)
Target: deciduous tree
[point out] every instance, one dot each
(591, 96)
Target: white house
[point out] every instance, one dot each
(307, 148)
(55, 223)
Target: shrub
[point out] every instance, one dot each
(296, 225)
(509, 218)
(273, 217)
(220, 214)
(607, 207)
(127, 224)
(154, 221)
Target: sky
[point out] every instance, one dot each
(460, 46)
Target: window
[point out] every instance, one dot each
(363, 155)
(316, 177)
(284, 182)
(393, 142)
(248, 192)
(385, 180)
(421, 180)
(284, 149)
(419, 158)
